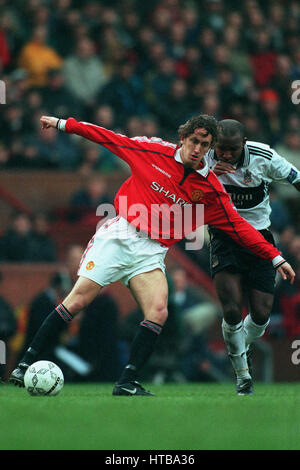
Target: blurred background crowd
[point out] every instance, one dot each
(144, 68)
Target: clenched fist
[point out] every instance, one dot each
(47, 122)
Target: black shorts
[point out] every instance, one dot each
(225, 253)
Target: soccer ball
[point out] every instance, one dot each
(43, 378)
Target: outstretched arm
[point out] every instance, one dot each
(119, 144)
(128, 148)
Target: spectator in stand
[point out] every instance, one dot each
(16, 244)
(134, 126)
(290, 147)
(207, 42)
(158, 82)
(37, 58)
(253, 126)
(263, 58)
(150, 125)
(281, 83)
(295, 57)
(57, 98)
(44, 248)
(4, 156)
(239, 61)
(84, 73)
(176, 107)
(55, 151)
(25, 156)
(189, 67)
(86, 200)
(270, 116)
(230, 88)
(280, 216)
(28, 241)
(96, 158)
(124, 92)
(13, 123)
(105, 116)
(72, 260)
(5, 52)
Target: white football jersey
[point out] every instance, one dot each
(248, 187)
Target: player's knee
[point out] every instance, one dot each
(260, 316)
(232, 314)
(158, 313)
(261, 310)
(75, 303)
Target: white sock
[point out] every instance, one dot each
(252, 330)
(234, 336)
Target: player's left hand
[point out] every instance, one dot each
(286, 271)
(221, 168)
(48, 121)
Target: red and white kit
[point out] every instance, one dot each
(160, 181)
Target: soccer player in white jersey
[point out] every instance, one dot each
(246, 170)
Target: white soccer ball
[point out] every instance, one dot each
(43, 378)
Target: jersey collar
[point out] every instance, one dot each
(202, 171)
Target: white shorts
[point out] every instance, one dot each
(117, 252)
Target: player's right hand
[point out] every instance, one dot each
(48, 121)
(221, 168)
(286, 271)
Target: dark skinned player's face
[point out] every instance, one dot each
(229, 149)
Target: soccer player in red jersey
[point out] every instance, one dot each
(166, 179)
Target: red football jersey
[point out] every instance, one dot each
(160, 182)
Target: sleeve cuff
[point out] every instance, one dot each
(61, 125)
(277, 261)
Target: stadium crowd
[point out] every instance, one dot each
(143, 68)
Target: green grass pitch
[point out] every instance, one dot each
(179, 417)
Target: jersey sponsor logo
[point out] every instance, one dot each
(90, 265)
(246, 198)
(197, 195)
(167, 193)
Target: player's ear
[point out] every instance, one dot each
(245, 140)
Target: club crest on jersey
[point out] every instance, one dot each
(197, 195)
(247, 177)
(90, 265)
